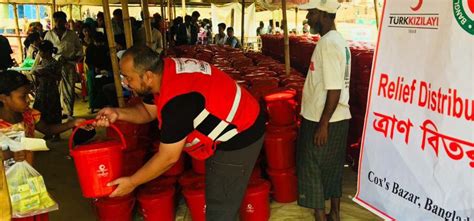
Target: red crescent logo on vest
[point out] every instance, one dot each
(470, 3)
(418, 6)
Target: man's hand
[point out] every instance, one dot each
(124, 186)
(77, 122)
(106, 116)
(321, 135)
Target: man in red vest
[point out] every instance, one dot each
(200, 110)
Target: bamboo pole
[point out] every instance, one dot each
(242, 31)
(174, 9)
(147, 23)
(183, 8)
(38, 14)
(69, 9)
(296, 20)
(80, 12)
(113, 52)
(170, 10)
(232, 12)
(376, 7)
(127, 24)
(53, 10)
(17, 29)
(163, 31)
(285, 32)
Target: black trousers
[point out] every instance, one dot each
(227, 176)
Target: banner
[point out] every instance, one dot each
(417, 155)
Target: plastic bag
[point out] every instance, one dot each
(28, 194)
(28, 63)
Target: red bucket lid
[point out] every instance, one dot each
(195, 190)
(114, 200)
(281, 95)
(258, 186)
(149, 193)
(274, 172)
(99, 146)
(190, 177)
(286, 135)
(281, 129)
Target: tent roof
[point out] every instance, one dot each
(99, 2)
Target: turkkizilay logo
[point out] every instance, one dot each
(461, 8)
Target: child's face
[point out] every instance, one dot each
(44, 54)
(18, 100)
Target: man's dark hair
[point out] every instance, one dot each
(195, 14)
(12, 80)
(230, 29)
(178, 20)
(117, 12)
(60, 15)
(187, 18)
(221, 25)
(144, 59)
(100, 15)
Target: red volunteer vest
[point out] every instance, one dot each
(224, 99)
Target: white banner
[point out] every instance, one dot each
(417, 156)
(223, 13)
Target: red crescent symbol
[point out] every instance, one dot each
(417, 7)
(470, 3)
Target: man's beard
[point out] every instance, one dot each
(144, 90)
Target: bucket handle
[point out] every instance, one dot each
(71, 138)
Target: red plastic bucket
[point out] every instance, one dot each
(178, 167)
(133, 160)
(199, 166)
(285, 186)
(256, 203)
(161, 181)
(280, 149)
(136, 135)
(196, 201)
(40, 217)
(281, 108)
(190, 177)
(115, 209)
(157, 203)
(281, 129)
(97, 163)
(256, 173)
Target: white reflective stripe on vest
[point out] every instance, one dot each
(235, 105)
(222, 124)
(228, 135)
(218, 130)
(200, 118)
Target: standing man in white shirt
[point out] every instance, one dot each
(69, 53)
(325, 110)
(156, 37)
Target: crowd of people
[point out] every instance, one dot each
(86, 42)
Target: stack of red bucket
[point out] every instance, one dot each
(279, 145)
(40, 217)
(359, 87)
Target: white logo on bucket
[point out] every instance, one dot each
(205, 208)
(102, 171)
(250, 208)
